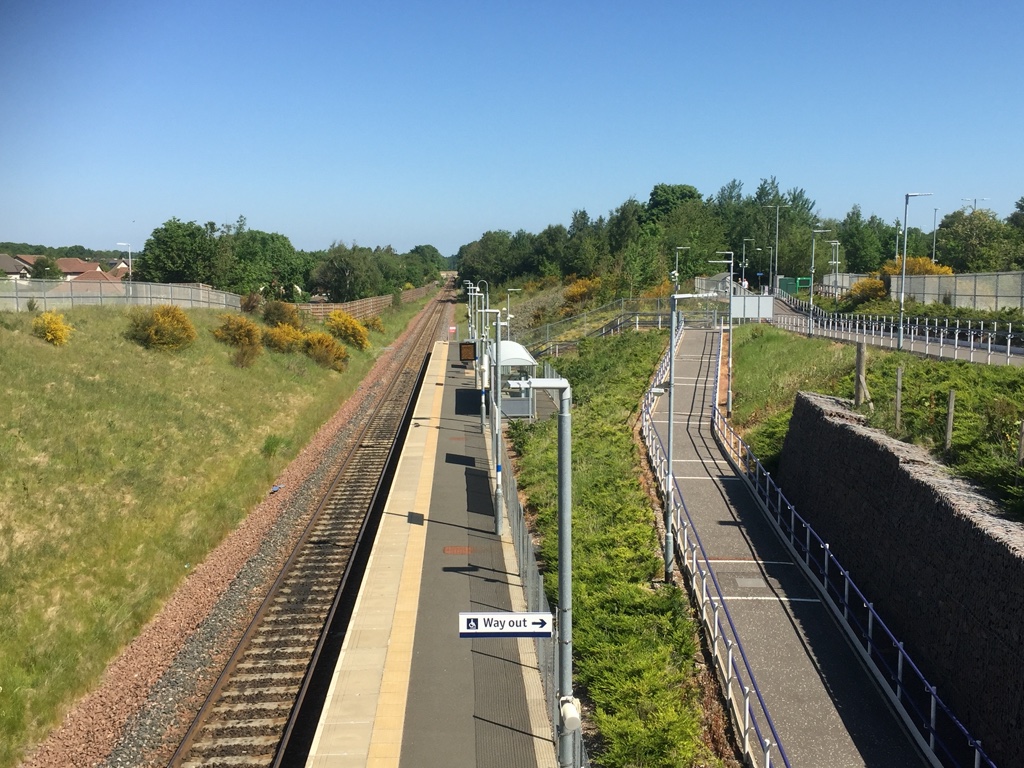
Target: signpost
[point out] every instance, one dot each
(525, 624)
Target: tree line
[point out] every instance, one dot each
(234, 258)
(636, 245)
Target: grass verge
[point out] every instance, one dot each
(771, 365)
(633, 639)
(122, 468)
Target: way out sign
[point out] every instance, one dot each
(505, 624)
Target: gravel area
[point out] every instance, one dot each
(150, 693)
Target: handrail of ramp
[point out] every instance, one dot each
(936, 729)
(946, 338)
(749, 713)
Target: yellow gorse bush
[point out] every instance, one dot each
(346, 328)
(284, 338)
(52, 327)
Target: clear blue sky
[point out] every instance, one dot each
(405, 123)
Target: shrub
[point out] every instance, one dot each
(582, 290)
(245, 355)
(161, 327)
(345, 327)
(326, 350)
(251, 302)
(868, 289)
(238, 331)
(52, 327)
(284, 338)
(374, 324)
(32, 305)
(281, 313)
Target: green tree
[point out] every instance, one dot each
(45, 268)
(549, 249)
(586, 253)
(177, 252)
(665, 198)
(976, 241)
(860, 243)
(348, 273)
(693, 224)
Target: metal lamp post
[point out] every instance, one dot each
(810, 315)
(903, 268)
(669, 555)
(508, 308)
(743, 261)
(935, 229)
(570, 719)
(771, 270)
(775, 278)
(728, 406)
(129, 245)
(499, 499)
(834, 263)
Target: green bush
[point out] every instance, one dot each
(374, 324)
(52, 327)
(281, 313)
(326, 350)
(161, 327)
(345, 327)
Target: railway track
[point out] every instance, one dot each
(256, 707)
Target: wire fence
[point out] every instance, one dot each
(28, 295)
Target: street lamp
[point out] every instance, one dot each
(728, 401)
(129, 260)
(775, 278)
(566, 703)
(669, 557)
(508, 308)
(810, 315)
(499, 527)
(935, 229)
(743, 262)
(903, 269)
(771, 269)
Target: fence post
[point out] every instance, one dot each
(899, 395)
(949, 418)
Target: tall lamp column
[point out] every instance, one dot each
(903, 268)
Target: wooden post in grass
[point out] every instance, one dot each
(860, 386)
(949, 419)
(899, 395)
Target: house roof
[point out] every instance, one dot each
(11, 266)
(71, 266)
(26, 259)
(98, 276)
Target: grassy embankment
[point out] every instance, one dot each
(772, 365)
(633, 640)
(122, 468)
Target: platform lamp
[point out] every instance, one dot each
(728, 402)
(568, 707)
(903, 268)
(129, 245)
(810, 314)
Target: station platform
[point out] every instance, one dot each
(407, 691)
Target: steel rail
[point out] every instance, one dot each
(251, 713)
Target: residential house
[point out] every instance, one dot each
(12, 268)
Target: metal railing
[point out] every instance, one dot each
(536, 600)
(746, 705)
(935, 728)
(975, 341)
